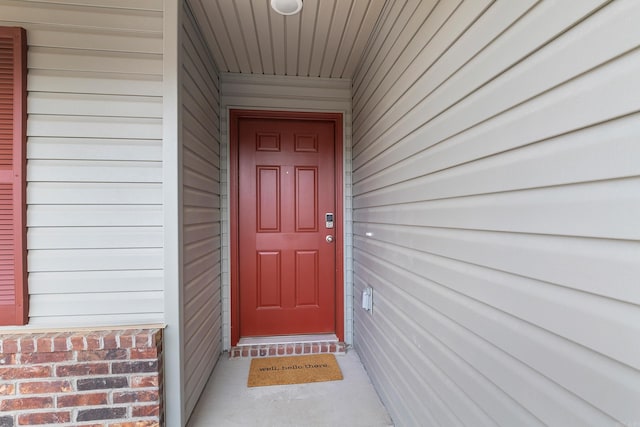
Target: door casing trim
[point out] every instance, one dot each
(235, 115)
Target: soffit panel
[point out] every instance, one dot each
(325, 40)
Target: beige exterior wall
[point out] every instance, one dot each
(94, 153)
(202, 308)
(495, 183)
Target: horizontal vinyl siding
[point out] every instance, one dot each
(94, 168)
(201, 212)
(292, 94)
(496, 173)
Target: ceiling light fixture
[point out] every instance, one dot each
(286, 7)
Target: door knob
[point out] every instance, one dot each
(329, 238)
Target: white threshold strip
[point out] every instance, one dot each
(287, 339)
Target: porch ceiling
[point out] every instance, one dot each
(325, 40)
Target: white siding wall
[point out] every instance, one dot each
(293, 94)
(94, 159)
(496, 164)
(201, 212)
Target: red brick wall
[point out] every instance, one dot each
(101, 379)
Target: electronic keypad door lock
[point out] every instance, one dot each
(328, 218)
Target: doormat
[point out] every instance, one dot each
(293, 370)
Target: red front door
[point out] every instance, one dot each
(286, 260)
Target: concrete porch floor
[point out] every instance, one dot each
(227, 401)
